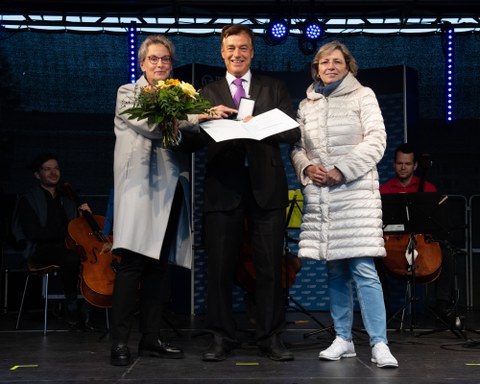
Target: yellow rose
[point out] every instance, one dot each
(188, 89)
(172, 82)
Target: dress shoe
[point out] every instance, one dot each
(88, 324)
(80, 325)
(159, 349)
(276, 350)
(119, 355)
(90, 327)
(75, 325)
(217, 351)
(72, 317)
(448, 315)
(445, 316)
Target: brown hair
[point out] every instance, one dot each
(236, 29)
(329, 48)
(39, 160)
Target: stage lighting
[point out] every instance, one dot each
(307, 47)
(276, 31)
(132, 42)
(312, 30)
(449, 71)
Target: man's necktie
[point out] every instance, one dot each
(239, 93)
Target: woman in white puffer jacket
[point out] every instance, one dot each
(343, 139)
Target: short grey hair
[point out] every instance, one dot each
(155, 39)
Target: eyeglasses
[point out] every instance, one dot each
(164, 59)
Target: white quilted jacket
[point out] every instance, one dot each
(344, 130)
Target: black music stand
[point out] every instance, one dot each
(294, 204)
(411, 214)
(420, 212)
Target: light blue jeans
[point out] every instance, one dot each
(342, 274)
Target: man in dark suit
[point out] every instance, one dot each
(245, 179)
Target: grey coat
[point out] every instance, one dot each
(145, 179)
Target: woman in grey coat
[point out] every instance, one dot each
(151, 223)
(151, 220)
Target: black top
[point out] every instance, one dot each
(55, 228)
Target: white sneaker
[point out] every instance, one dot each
(338, 349)
(382, 356)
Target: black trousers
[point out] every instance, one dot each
(68, 260)
(139, 283)
(224, 233)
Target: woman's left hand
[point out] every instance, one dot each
(320, 176)
(332, 177)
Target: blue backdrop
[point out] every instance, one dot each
(58, 93)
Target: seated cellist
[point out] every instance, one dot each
(40, 222)
(405, 181)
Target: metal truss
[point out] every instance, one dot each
(209, 16)
(205, 26)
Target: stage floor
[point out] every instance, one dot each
(63, 356)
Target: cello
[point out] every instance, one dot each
(427, 255)
(423, 249)
(97, 275)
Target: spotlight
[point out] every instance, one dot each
(276, 31)
(313, 30)
(307, 47)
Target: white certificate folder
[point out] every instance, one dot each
(259, 127)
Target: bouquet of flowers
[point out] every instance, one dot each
(165, 103)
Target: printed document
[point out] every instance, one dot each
(259, 127)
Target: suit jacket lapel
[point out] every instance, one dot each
(255, 93)
(254, 88)
(224, 94)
